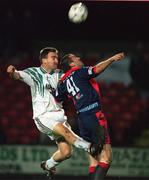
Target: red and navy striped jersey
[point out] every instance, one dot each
(79, 84)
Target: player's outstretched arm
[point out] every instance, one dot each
(100, 67)
(11, 70)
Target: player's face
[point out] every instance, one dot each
(76, 60)
(51, 61)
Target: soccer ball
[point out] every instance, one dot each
(78, 13)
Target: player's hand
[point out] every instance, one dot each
(117, 57)
(11, 69)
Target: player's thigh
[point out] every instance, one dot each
(106, 154)
(62, 130)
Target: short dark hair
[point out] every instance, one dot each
(65, 62)
(45, 51)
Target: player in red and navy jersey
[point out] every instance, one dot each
(78, 83)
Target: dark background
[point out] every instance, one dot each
(47, 19)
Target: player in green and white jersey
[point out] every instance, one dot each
(48, 114)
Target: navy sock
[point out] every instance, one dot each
(101, 171)
(92, 172)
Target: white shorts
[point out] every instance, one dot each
(47, 121)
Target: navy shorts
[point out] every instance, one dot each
(93, 127)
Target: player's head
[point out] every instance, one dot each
(49, 57)
(69, 61)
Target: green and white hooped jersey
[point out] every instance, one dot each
(39, 80)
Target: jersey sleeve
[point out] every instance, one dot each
(88, 72)
(26, 77)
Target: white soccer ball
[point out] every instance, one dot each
(78, 13)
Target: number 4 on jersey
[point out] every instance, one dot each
(71, 87)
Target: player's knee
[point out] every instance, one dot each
(67, 153)
(108, 160)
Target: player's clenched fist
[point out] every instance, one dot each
(11, 70)
(117, 57)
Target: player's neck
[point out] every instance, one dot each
(48, 70)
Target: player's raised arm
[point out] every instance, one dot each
(104, 64)
(11, 70)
